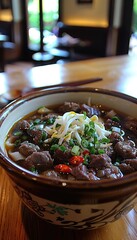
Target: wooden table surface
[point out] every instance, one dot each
(17, 222)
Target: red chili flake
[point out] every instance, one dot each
(63, 168)
(86, 152)
(76, 160)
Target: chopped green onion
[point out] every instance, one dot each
(84, 143)
(89, 129)
(85, 114)
(92, 150)
(62, 148)
(54, 147)
(105, 140)
(34, 170)
(50, 121)
(17, 142)
(86, 160)
(75, 150)
(101, 151)
(115, 119)
(72, 142)
(18, 133)
(36, 121)
(44, 135)
(24, 137)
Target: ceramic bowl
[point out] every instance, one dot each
(75, 205)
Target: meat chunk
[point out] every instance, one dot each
(109, 173)
(39, 161)
(24, 125)
(126, 149)
(109, 123)
(132, 163)
(80, 172)
(50, 118)
(131, 124)
(110, 152)
(69, 106)
(62, 157)
(115, 137)
(37, 135)
(28, 148)
(52, 174)
(125, 168)
(104, 168)
(90, 110)
(100, 161)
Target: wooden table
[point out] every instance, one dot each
(16, 222)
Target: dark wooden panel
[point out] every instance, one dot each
(95, 37)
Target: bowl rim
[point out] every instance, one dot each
(14, 169)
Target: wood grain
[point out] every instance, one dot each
(16, 221)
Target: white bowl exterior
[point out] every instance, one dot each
(73, 216)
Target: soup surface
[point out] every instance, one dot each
(75, 142)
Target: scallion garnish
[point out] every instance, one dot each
(115, 119)
(75, 150)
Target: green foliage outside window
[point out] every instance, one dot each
(134, 25)
(50, 16)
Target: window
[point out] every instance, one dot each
(49, 15)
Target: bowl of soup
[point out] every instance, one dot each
(71, 154)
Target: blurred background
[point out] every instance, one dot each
(45, 32)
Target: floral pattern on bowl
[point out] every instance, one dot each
(86, 216)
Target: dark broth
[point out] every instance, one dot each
(75, 142)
